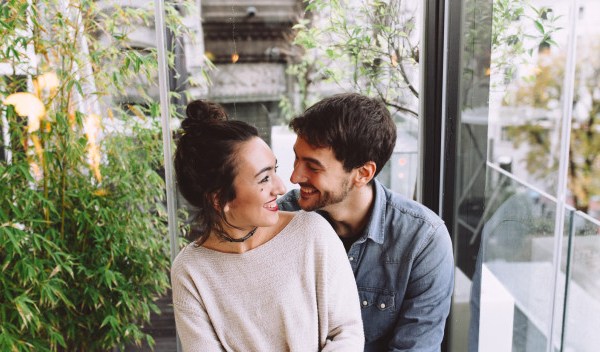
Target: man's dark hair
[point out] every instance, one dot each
(357, 128)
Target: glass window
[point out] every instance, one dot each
(525, 231)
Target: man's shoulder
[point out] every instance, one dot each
(409, 208)
(289, 201)
(399, 221)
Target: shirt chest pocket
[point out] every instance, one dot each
(379, 312)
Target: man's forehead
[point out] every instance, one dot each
(323, 156)
(304, 145)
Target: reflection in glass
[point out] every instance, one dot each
(581, 269)
(517, 268)
(527, 76)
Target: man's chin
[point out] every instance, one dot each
(307, 205)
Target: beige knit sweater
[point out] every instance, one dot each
(293, 293)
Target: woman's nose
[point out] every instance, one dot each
(279, 186)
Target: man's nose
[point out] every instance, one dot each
(297, 176)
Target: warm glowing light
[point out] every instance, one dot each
(488, 71)
(48, 81)
(235, 57)
(401, 175)
(402, 161)
(394, 60)
(36, 171)
(209, 55)
(27, 104)
(37, 145)
(91, 127)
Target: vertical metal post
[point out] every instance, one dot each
(431, 100)
(166, 129)
(163, 85)
(563, 173)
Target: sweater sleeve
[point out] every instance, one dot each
(194, 328)
(344, 321)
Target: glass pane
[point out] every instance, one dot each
(584, 180)
(582, 269)
(529, 54)
(528, 83)
(518, 269)
(472, 152)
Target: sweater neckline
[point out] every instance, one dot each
(265, 247)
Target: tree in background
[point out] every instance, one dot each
(366, 46)
(373, 47)
(544, 91)
(84, 250)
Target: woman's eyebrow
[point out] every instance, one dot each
(268, 168)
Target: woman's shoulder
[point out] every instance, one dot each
(304, 218)
(311, 224)
(186, 258)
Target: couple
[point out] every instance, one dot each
(260, 279)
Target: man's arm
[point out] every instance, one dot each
(423, 313)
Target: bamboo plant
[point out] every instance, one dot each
(84, 251)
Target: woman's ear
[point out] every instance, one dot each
(365, 173)
(215, 201)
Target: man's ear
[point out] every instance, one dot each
(365, 173)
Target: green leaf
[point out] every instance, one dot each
(539, 26)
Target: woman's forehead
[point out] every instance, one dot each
(255, 155)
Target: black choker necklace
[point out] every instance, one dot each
(230, 239)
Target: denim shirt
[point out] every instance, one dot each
(404, 269)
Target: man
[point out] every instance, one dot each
(399, 250)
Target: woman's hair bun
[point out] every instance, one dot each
(201, 112)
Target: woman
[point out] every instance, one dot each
(255, 279)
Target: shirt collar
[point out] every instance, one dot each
(375, 227)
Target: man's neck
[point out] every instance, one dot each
(349, 217)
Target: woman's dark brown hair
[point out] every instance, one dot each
(205, 163)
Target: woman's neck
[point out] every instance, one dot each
(261, 236)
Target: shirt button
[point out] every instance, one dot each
(382, 305)
(351, 258)
(365, 303)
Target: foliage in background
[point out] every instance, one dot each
(363, 46)
(373, 47)
(513, 43)
(545, 92)
(83, 245)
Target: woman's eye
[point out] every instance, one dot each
(264, 180)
